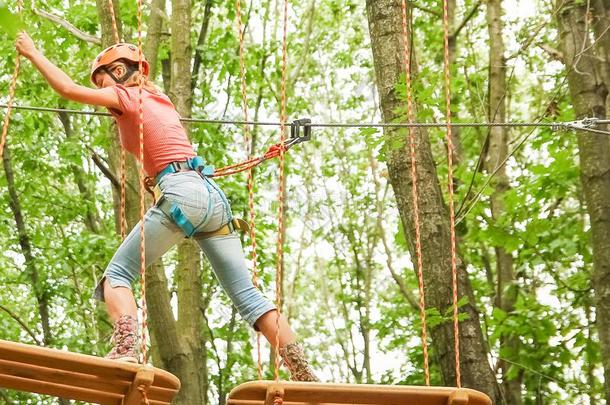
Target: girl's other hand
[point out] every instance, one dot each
(24, 44)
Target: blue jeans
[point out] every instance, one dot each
(207, 208)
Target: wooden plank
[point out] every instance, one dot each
(60, 390)
(74, 362)
(81, 377)
(303, 393)
(85, 380)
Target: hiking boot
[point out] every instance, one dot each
(125, 340)
(294, 359)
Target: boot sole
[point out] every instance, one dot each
(126, 359)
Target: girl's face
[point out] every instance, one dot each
(103, 79)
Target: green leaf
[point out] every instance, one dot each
(11, 23)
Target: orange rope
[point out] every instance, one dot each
(456, 330)
(142, 193)
(11, 97)
(280, 237)
(145, 399)
(122, 168)
(247, 138)
(418, 253)
(11, 93)
(115, 29)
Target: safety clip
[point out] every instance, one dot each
(584, 123)
(295, 132)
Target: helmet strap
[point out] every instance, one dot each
(120, 80)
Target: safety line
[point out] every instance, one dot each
(250, 183)
(558, 126)
(414, 191)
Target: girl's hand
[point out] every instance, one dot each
(25, 45)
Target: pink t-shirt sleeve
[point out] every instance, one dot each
(127, 102)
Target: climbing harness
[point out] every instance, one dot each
(173, 211)
(198, 164)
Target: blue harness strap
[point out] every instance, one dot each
(196, 163)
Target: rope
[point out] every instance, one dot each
(280, 237)
(248, 141)
(418, 252)
(560, 125)
(145, 399)
(115, 28)
(142, 193)
(11, 93)
(122, 159)
(456, 331)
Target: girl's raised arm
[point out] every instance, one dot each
(61, 82)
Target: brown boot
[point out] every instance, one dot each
(125, 340)
(294, 359)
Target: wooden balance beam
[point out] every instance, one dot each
(300, 393)
(83, 377)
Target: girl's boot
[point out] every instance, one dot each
(125, 340)
(294, 359)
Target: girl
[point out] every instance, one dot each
(191, 203)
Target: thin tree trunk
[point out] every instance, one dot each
(386, 38)
(497, 151)
(38, 283)
(92, 218)
(153, 35)
(587, 75)
(188, 273)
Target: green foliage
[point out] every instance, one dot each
(10, 22)
(343, 228)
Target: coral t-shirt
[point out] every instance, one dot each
(165, 139)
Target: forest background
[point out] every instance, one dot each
(531, 202)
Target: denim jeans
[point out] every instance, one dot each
(207, 208)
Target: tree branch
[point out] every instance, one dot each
(555, 54)
(97, 159)
(467, 18)
(23, 325)
(71, 28)
(425, 9)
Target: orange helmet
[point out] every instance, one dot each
(116, 52)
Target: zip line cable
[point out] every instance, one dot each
(586, 124)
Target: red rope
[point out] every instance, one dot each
(272, 152)
(122, 166)
(142, 193)
(248, 141)
(412, 150)
(456, 330)
(280, 238)
(115, 29)
(11, 93)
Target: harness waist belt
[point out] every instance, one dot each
(196, 163)
(235, 224)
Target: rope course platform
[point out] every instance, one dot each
(82, 377)
(300, 393)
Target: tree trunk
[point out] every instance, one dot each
(587, 70)
(38, 283)
(386, 38)
(188, 273)
(153, 35)
(497, 141)
(179, 345)
(92, 218)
